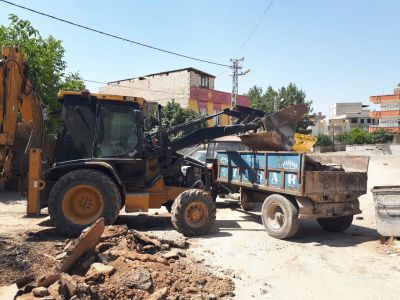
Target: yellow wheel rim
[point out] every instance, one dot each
(196, 214)
(82, 204)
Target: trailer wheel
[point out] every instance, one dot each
(193, 212)
(245, 202)
(80, 197)
(280, 217)
(335, 224)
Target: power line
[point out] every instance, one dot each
(255, 27)
(115, 36)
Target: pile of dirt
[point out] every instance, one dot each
(115, 262)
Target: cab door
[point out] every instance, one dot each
(119, 141)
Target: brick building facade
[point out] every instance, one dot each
(190, 87)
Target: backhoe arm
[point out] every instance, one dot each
(21, 123)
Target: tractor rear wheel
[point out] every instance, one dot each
(193, 212)
(80, 197)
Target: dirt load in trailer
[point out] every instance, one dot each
(295, 186)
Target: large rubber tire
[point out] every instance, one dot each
(193, 212)
(335, 224)
(280, 217)
(101, 184)
(245, 202)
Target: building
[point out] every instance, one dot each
(389, 113)
(320, 125)
(190, 87)
(345, 116)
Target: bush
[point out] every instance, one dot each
(382, 136)
(323, 140)
(359, 136)
(343, 138)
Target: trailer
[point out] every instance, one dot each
(295, 186)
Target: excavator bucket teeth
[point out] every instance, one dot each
(279, 130)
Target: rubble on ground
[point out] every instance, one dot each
(114, 262)
(392, 246)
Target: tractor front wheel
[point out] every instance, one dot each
(80, 197)
(193, 212)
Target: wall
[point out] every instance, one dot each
(159, 88)
(330, 148)
(210, 101)
(195, 80)
(347, 108)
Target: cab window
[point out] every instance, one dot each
(117, 133)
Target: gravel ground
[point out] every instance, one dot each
(313, 265)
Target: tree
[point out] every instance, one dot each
(260, 101)
(72, 82)
(291, 95)
(323, 140)
(45, 57)
(172, 114)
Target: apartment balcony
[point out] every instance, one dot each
(383, 98)
(384, 113)
(393, 129)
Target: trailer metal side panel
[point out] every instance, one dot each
(334, 186)
(271, 171)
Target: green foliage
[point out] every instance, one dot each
(382, 136)
(72, 82)
(323, 140)
(45, 57)
(358, 136)
(343, 138)
(172, 115)
(291, 95)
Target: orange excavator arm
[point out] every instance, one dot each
(21, 123)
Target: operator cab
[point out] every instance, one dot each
(99, 126)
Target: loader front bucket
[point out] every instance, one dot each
(279, 129)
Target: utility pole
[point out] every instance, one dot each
(277, 103)
(236, 72)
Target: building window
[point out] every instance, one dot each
(204, 82)
(354, 120)
(203, 111)
(216, 119)
(362, 121)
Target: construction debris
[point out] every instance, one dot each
(87, 241)
(115, 262)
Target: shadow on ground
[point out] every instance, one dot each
(10, 197)
(145, 222)
(311, 232)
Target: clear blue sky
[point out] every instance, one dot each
(336, 51)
